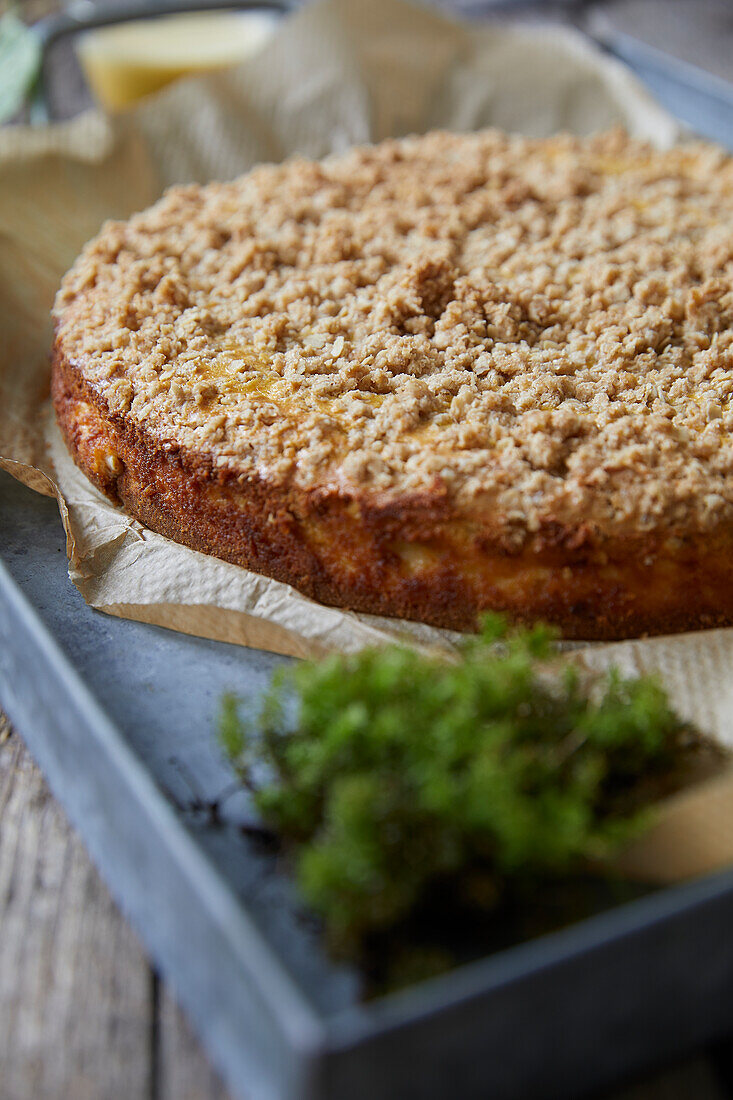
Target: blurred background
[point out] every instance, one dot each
(687, 40)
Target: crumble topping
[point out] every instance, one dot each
(542, 328)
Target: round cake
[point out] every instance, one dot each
(428, 378)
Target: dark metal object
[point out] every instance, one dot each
(698, 98)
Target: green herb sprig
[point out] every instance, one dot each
(392, 776)
(20, 63)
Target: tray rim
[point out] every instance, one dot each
(312, 1035)
(300, 1019)
(455, 985)
(488, 974)
(295, 1018)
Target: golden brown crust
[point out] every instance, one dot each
(429, 377)
(415, 559)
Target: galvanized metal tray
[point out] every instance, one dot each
(121, 717)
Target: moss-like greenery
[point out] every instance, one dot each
(392, 777)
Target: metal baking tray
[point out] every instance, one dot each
(121, 717)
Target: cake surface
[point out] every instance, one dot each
(429, 377)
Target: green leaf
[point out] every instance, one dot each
(396, 775)
(231, 733)
(20, 64)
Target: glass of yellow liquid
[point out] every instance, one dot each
(126, 61)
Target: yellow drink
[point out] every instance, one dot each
(122, 63)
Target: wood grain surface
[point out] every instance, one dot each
(82, 1015)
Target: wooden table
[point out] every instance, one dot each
(83, 1016)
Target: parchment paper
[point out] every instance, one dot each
(336, 73)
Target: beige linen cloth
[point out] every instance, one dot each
(336, 73)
